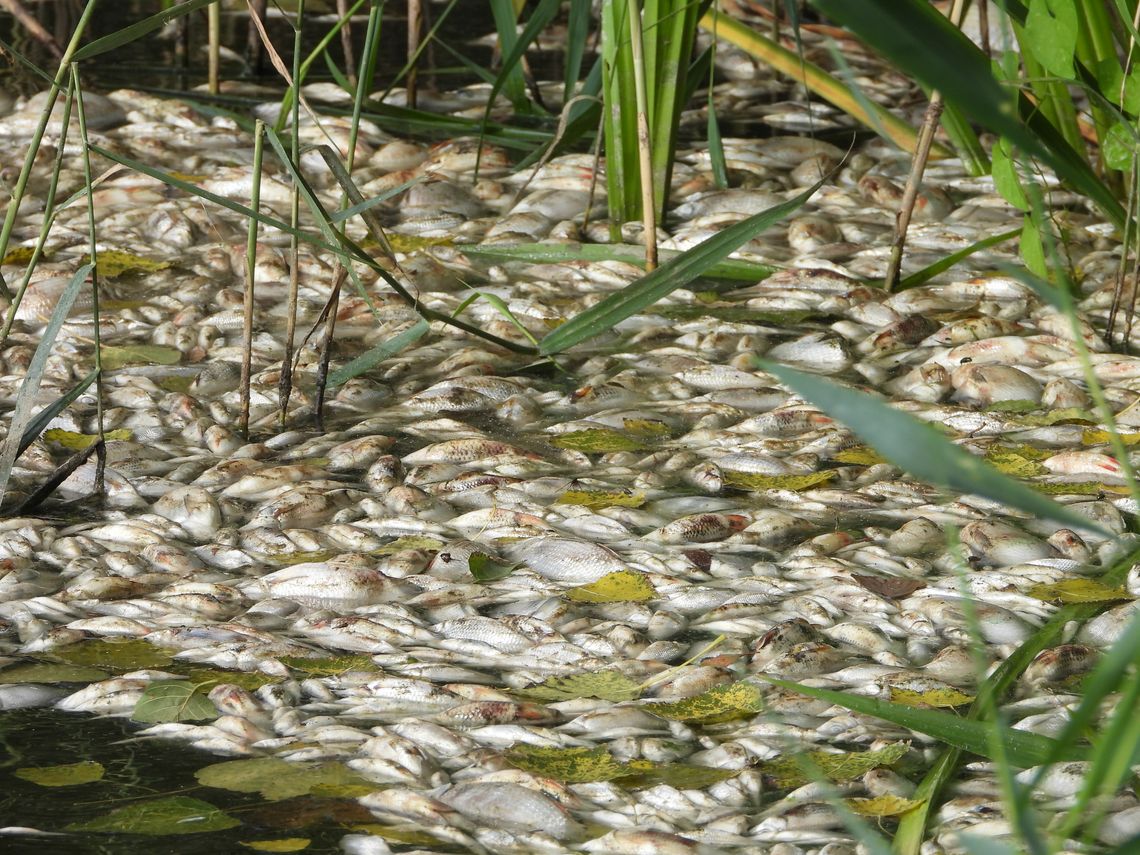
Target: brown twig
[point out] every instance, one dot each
(35, 29)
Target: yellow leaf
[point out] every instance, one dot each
(73, 441)
(412, 243)
(757, 481)
(607, 685)
(597, 499)
(882, 806)
(19, 255)
(1101, 437)
(285, 844)
(116, 356)
(189, 178)
(410, 541)
(1079, 591)
(572, 765)
(598, 440)
(859, 455)
(113, 262)
(796, 770)
(720, 703)
(1078, 488)
(624, 586)
(1053, 417)
(646, 427)
(1013, 461)
(67, 775)
(947, 697)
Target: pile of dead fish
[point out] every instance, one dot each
(657, 452)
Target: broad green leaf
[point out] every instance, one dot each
(277, 779)
(761, 481)
(571, 765)
(51, 672)
(486, 569)
(284, 844)
(116, 356)
(1032, 248)
(670, 276)
(173, 700)
(605, 685)
(128, 654)
(795, 770)
(917, 448)
(1051, 26)
(718, 704)
(598, 440)
(73, 441)
(1068, 591)
(881, 806)
(174, 815)
(622, 586)
(67, 775)
(29, 388)
(139, 29)
(598, 499)
(1006, 180)
(1119, 147)
(1022, 749)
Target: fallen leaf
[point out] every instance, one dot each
(20, 255)
(623, 586)
(1014, 462)
(52, 672)
(125, 654)
(795, 770)
(571, 765)
(882, 806)
(598, 440)
(275, 778)
(116, 356)
(945, 697)
(174, 815)
(486, 569)
(73, 441)
(859, 455)
(608, 685)
(1103, 437)
(892, 587)
(174, 700)
(114, 262)
(329, 666)
(1073, 591)
(598, 499)
(756, 481)
(67, 775)
(720, 703)
(285, 844)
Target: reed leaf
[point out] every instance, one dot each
(25, 398)
(1024, 749)
(673, 274)
(918, 448)
(139, 29)
(377, 354)
(943, 264)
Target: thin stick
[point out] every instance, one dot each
(214, 36)
(285, 383)
(414, 18)
(37, 138)
(917, 167)
(35, 29)
(101, 455)
(326, 354)
(644, 149)
(250, 267)
(254, 53)
(345, 40)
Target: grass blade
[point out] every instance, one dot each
(677, 271)
(43, 418)
(918, 448)
(375, 355)
(1024, 749)
(943, 264)
(22, 414)
(549, 253)
(139, 29)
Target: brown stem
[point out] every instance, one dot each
(35, 29)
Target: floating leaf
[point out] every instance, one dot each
(1102, 437)
(622, 586)
(796, 770)
(174, 815)
(411, 243)
(598, 499)
(646, 427)
(1010, 461)
(207, 676)
(51, 672)
(113, 262)
(601, 440)
(608, 685)
(329, 666)
(128, 654)
(407, 834)
(173, 700)
(1068, 415)
(1078, 488)
(571, 765)
(682, 776)
(67, 775)
(486, 569)
(720, 703)
(116, 356)
(881, 806)
(276, 779)
(944, 697)
(285, 844)
(893, 587)
(859, 455)
(1071, 591)
(73, 441)
(760, 481)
